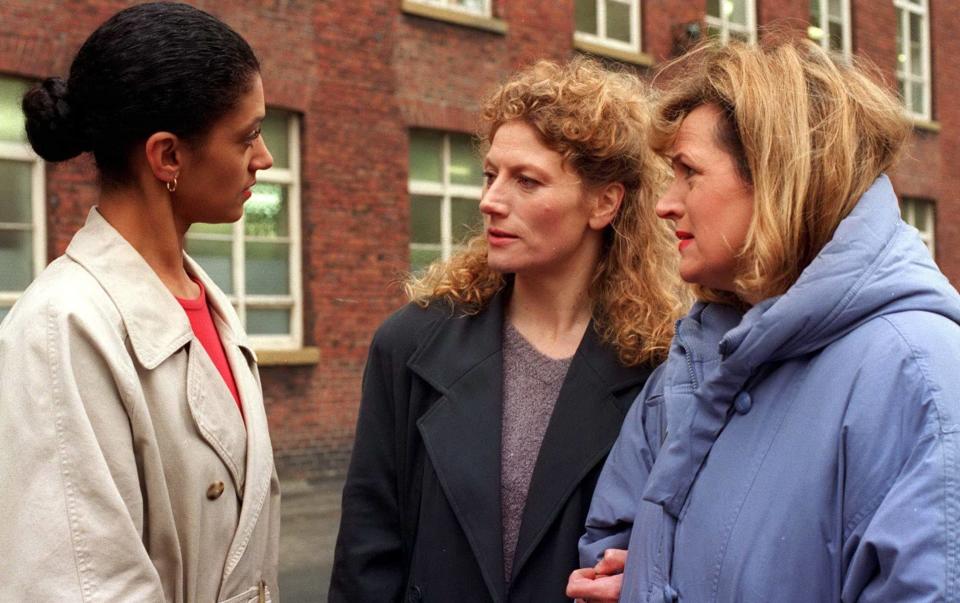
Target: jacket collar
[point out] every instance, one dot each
(462, 359)
(155, 322)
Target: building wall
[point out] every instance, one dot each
(361, 74)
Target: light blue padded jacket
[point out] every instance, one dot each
(808, 450)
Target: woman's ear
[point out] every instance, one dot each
(606, 204)
(163, 151)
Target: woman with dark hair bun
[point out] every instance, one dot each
(139, 465)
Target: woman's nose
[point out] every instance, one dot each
(262, 160)
(492, 202)
(668, 205)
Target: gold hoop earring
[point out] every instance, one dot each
(172, 185)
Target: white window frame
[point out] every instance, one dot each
(601, 39)
(485, 10)
(904, 9)
(824, 28)
(290, 177)
(725, 26)
(447, 191)
(909, 206)
(21, 151)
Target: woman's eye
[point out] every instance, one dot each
(488, 178)
(526, 181)
(253, 136)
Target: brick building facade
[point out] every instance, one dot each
(372, 101)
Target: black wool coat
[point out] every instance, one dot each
(421, 505)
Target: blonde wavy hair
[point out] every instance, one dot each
(809, 134)
(599, 121)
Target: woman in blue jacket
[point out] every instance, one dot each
(802, 442)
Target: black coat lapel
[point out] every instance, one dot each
(585, 422)
(461, 432)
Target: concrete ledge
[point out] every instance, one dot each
(412, 7)
(302, 356)
(925, 124)
(635, 58)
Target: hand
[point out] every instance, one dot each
(601, 583)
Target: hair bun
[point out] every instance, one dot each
(50, 126)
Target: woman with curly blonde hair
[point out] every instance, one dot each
(490, 401)
(801, 441)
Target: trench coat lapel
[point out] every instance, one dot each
(252, 455)
(461, 432)
(585, 422)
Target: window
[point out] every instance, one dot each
(728, 19)
(913, 56)
(256, 261)
(445, 188)
(472, 7)
(919, 214)
(22, 200)
(612, 23)
(830, 25)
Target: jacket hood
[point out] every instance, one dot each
(873, 266)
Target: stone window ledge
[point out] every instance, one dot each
(298, 357)
(412, 7)
(626, 56)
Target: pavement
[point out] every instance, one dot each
(310, 517)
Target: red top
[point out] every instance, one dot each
(202, 322)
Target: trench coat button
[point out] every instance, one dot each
(414, 594)
(670, 595)
(215, 490)
(742, 403)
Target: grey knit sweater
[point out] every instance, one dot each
(531, 385)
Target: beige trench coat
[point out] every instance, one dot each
(126, 471)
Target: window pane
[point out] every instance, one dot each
(3, 312)
(214, 257)
(265, 213)
(16, 260)
(836, 36)
(737, 10)
(618, 21)
(426, 156)
(420, 258)
(267, 268)
(739, 35)
(425, 219)
(916, 59)
(268, 321)
(476, 6)
(274, 133)
(915, 28)
(465, 219)
(15, 202)
(215, 229)
(585, 16)
(835, 9)
(713, 8)
(464, 163)
(11, 117)
(815, 12)
(916, 98)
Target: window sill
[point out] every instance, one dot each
(299, 357)
(626, 56)
(928, 125)
(412, 7)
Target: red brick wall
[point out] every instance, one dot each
(362, 74)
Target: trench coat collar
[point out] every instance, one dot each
(463, 361)
(155, 322)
